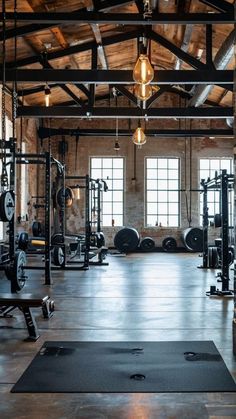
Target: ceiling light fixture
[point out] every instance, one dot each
(117, 145)
(143, 91)
(47, 93)
(139, 138)
(143, 72)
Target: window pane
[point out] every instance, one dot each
(173, 196)
(162, 196)
(107, 196)
(162, 184)
(96, 174)
(226, 165)
(215, 164)
(151, 163)
(107, 220)
(96, 163)
(107, 174)
(173, 174)
(162, 208)
(151, 196)
(117, 196)
(162, 174)
(151, 220)
(162, 220)
(173, 208)
(151, 184)
(118, 173)
(204, 164)
(118, 164)
(151, 174)
(117, 184)
(173, 164)
(107, 163)
(107, 208)
(162, 163)
(173, 184)
(173, 221)
(151, 208)
(118, 208)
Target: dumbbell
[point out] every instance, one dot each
(24, 240)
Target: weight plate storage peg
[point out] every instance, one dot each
(7, 206)
(15, 271)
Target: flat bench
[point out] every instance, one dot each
(25, 302)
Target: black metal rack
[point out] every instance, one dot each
(223, 183)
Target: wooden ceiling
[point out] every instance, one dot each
(114, 45)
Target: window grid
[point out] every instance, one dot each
(162, 192)
(110, 169)
(207, 169)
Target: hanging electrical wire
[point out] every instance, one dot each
(14, 89)
(4, 176)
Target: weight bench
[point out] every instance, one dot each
(25, 302)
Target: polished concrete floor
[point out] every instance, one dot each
(140, 297)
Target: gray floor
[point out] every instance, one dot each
(152, 297)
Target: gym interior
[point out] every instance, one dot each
(117, 209)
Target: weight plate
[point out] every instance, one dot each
(58, 256)
(193, 239)
(217, 220)
(169, 244)
(23, 241)
(209, 255)
(214, 258)
(147, 244)
(36, 228)
(57, 238)
(7, 206)
(15, 271)
(126, 240)
(67, 194)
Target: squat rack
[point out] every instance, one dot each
(223, 183)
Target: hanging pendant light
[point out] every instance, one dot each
(143, 91)
(139, 138)
(77, 192)
(143, 72)
(117, 145)
(47, 93)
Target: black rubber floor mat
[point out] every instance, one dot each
(126, 367)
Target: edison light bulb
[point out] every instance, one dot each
(143, 72)
(143, 91)
(139, 138)
(47, 93)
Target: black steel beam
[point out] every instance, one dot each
(154, 97)
(117, 76)
(126, 93)
(49, 132)
(82, 17)
(182, 55)
(220, 5)
(27, 29)
(104, 112)
(109, 40)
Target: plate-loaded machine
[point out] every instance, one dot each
(211, 255)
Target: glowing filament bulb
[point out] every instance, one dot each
(143, 72)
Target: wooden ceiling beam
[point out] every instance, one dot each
(110, 40)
